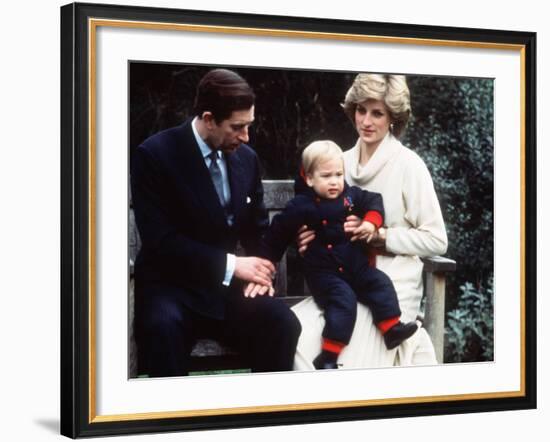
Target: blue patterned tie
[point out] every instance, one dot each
(216, 174)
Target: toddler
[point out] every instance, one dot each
(336, 269)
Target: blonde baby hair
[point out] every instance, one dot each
(317, 152)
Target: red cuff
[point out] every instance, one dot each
(386, 324)
(332, 346)
(373, 216)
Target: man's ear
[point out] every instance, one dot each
(208, 118)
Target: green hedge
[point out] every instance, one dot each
(452, 130)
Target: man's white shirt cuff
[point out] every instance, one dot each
(229, 269)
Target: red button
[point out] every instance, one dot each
(329, 246)
(325, 222)
(341, 269)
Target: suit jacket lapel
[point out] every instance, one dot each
(195, 175)
(235, 171)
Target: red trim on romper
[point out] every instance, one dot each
(332, 346)
(371, 256)
(375, 217)
(386, 324)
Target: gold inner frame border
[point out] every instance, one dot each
(93, 24)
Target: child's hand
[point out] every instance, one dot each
(252, 290)
(365, 231)
(351, 224)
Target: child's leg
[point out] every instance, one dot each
(375, 289)
(338, 300)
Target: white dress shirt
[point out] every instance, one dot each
(206, 151)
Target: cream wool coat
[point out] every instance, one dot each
(415, 229)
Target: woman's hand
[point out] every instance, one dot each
(379, 238)
(304, 237)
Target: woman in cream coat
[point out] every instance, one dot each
(379, 107)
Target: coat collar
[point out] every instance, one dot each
(360, 176)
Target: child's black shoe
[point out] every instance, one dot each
(326, 360)
(398, 333)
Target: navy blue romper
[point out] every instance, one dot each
(336, 270)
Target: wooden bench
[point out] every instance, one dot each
(209, 355)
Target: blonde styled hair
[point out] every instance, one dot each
(319, 151)
(391, 89)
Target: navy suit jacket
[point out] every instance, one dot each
(184, 232)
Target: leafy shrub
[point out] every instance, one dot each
(452, 130)
(470, 325)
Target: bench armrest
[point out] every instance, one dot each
(434, 264)
(436, 269)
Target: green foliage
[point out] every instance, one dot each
(470, 333)
(452, 130)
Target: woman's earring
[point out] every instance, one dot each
(391, 127)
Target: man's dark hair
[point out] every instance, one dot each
(222, 92)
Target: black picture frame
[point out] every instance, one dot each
(78, 418)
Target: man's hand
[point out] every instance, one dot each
(253, 269)
(252, 289)
(304, 237)
(365, 231)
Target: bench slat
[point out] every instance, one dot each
(277, 193)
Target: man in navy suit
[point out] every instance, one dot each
(197, 192)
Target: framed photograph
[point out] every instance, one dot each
(128, 73)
